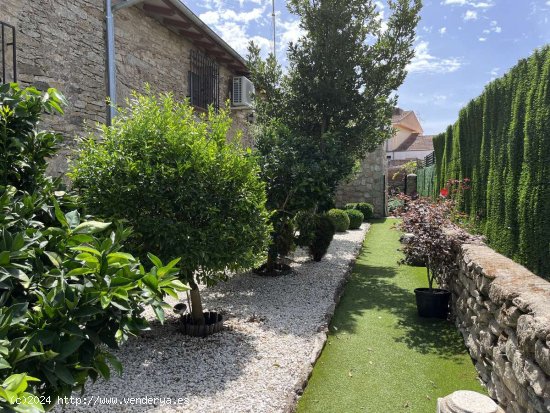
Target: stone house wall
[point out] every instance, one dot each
(503, 313)
(61, 44)
(369, 185)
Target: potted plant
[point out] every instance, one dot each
(432, 243)
(186, 191)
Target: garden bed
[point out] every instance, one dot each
(274, 331)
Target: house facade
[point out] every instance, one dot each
(409, 141)
(65, 44)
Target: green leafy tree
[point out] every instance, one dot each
(334, 104)
(186, 191)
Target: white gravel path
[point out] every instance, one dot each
(275, 329)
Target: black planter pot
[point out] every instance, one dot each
(213, 324)
(432, 303)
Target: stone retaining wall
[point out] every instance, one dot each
(503, 312)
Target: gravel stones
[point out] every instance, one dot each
(274, 331)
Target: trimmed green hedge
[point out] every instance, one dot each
(355, 218)
(339, 219)
(502, 142)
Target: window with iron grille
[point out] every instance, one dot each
(8, 58)
(204, 81)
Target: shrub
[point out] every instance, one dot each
(186, 191)
(366, 209)
(322, 237)
(339, 219)
(68, 290)
(306, 223)
(432, 243)
(355, 218)
(69, 293)
(24, 149)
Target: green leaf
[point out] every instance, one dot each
(4, 258)
(54, 258)
(79, 271)
(64, 374)
(73, 218)
(103, 369)
(16, 383)
(4, 364)
(151, 281)
(83, 248)
(117, 365)
(59, 215)
(91, 227)
(154, 259)
(105, 301)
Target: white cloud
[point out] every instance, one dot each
(494, 73)
(548, 3)
(459, 2)
(475, 4)
(470, 15)
(424, 62)
(482, 39)
(481, 5)
(210, 17)
(443, 30)
(498, 29)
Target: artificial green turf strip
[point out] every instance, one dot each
(381, 357)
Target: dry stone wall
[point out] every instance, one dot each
(369, 185)
(503, 313)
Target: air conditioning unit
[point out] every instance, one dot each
(243, 92)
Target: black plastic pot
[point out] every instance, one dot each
(213, 324)
(432, 303)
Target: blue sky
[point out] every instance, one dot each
(461, 45)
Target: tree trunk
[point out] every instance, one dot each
(196, 303)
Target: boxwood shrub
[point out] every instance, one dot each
(339, 219)
(355, 218)
(366, 209)
(322, 237)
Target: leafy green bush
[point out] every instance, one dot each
(185, 190)
(339, 219)
(305, 222)
(323, 234)
(67, 290)
(366, 209)
(355, 218)
(23, 149)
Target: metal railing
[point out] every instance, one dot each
(204, 81)
(429, 160)
(8, 53)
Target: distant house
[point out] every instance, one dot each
(408, 143)
(94, 49)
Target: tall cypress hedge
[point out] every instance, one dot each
(501, 141)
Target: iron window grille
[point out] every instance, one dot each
(204, 81)
(8, 52)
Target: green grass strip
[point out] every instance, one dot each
(380, 356)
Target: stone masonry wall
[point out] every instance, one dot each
(503, 312)
(61, 44)
(369, 185)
